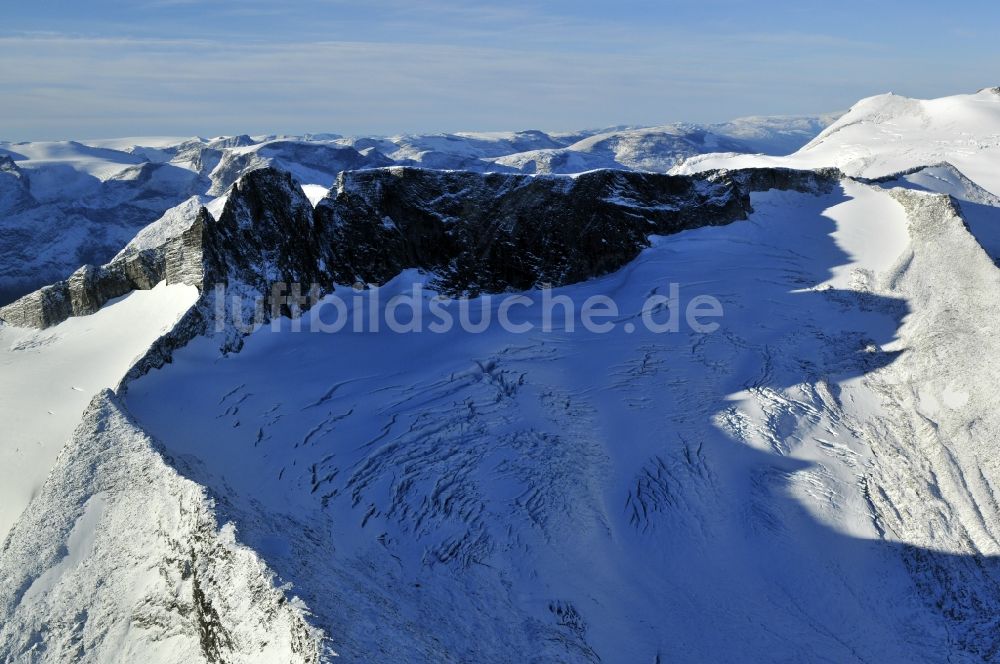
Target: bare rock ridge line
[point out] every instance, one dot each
(496, 232)
(475, 232)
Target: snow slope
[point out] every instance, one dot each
(888, 134)
(949, 145)
(980, 208)
(48, 377)
(120, 559)
(796, 486)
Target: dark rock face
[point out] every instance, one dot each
(474, 232)
(266, 233)
(499, 232)
(86, 290)
(788, 179)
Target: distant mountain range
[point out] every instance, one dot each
(63, 204)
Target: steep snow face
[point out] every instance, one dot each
(772, 490)
(888, 134)
(871, 228)
(48, 377)
(942, 404)
(120, 559)
(315, 193)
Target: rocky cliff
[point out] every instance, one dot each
(474, 232)
(499, 232)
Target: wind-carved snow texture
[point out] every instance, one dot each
(120, 559)
(266, 202)
(774, 490)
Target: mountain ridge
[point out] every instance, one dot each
(94, 196)
(268, 232)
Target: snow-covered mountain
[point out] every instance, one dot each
(63, 204)
(949, 146)
(889, 134)
(809, 478)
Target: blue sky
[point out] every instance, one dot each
(105, 68)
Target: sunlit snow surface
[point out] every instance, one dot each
(47, 378)
(315, 192)
(628, 495)
(949, 145)
(887, 134)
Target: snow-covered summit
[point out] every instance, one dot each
(888, 134)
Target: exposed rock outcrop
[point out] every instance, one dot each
(788, 179)
(499, 232)
(474, 232)
(86, 291)
(288, 155)
(264, 234)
